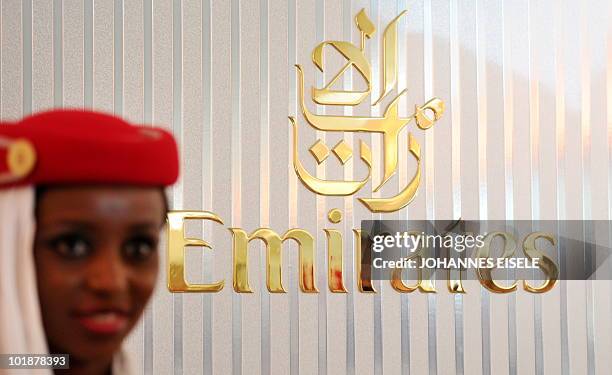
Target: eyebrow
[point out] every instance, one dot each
(88, 225)
(146, 226)
(78, 224)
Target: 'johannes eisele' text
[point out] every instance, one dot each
(441, 263)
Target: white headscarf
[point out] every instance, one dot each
(21, 327)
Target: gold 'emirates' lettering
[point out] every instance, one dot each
(177, 242)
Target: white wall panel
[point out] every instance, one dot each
(526, 135)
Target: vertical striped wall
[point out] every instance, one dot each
(527, 134)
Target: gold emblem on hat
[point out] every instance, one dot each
(21, 158)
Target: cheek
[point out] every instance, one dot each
(53, 276)
(143, 280)
(57, 286)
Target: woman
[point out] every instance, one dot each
(81, 209)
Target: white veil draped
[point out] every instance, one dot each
(21, 327)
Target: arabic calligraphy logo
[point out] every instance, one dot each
(389, 125)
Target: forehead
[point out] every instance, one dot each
(107, 203)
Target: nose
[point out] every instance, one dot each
(107, 273)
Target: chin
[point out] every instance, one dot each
(95, 349)
(85, 346)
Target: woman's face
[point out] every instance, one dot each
(96, 263)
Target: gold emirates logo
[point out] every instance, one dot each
(389, 125)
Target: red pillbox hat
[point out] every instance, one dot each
(85, 147)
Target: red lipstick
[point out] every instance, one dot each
(109, 322)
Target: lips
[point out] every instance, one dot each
(108, 323)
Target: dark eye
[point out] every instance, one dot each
(71, 246)
(139, 248)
